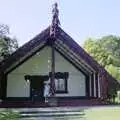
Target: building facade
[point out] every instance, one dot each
(53, 65)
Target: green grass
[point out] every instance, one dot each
(103, 113)
(9, 115)
(97, 113)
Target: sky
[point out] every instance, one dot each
(81, 19)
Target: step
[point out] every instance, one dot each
(54, 118)
(29, 113)
(50, 114)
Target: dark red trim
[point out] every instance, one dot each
(17, 99)
(92, 85)
(4, 87)
(52, 78)
(61, 92)
(58, 98)
(96, 82)
(70, 102)
(87, 81)
(0, 87)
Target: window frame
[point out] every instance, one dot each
(64, 76)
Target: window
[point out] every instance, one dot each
(61, 82)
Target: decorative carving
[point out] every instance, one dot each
(55, 21)
(4, 29)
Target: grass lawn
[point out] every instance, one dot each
(102, 113)
(97, 113)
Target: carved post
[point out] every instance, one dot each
(53, 32)
(52, 89)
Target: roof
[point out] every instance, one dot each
(65, 45)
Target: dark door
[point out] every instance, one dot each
(37, 89)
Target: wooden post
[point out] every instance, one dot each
(52, 101)
(52, 67)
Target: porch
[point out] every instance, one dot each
(61, 102)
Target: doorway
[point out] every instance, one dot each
(37, 87)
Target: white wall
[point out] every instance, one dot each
(38, 65)
(17, 86)
(76, 81)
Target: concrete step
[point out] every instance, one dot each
(49, 113)
(54, 118)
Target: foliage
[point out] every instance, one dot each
(9, 115)
(7, 46)
(106, 51)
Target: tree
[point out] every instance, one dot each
(7, 46)
(106, 51)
